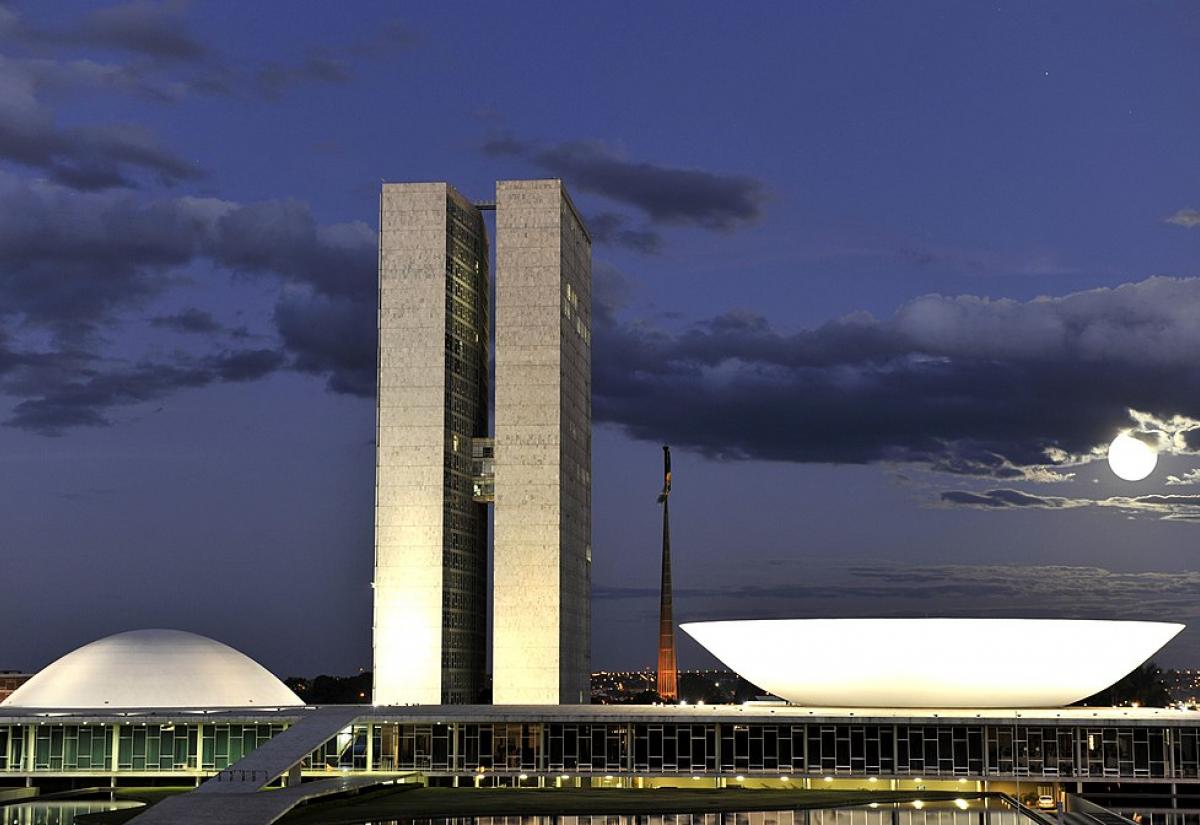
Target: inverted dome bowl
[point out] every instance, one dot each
(932, 663)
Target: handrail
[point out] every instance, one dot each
(228, 774)
(1032, 813)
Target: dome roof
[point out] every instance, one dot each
(153, 669)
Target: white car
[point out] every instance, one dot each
(1046, 803)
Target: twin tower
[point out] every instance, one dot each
(438, 470)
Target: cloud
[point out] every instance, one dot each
(995, 499)
(188, 320)
(158, 30)
(1036, 591)
(1166, 506)
(275, 78)
(88, 156)
(804, 586)
(63, 391)
(75, 263)
(334, 336)
(29, 79)
(1185, 217)
(388, 38)
(1188, 478)
(667, 195)
(611, 228)
(74, 259)
(169, 61)
(965, 384)
(283, 237)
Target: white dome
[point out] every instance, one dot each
(153, 669)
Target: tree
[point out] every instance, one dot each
(1144, 687)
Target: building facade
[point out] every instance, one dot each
(1096, 751)
(430, 585)
(542, 549)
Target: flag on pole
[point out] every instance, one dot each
(666, 490)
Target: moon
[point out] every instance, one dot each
(1131, 458)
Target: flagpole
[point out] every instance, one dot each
(668, 686)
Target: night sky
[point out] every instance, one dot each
(886, 276)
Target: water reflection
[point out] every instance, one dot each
(57, 813)
(881, 815)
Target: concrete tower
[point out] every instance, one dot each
(430, 534)
(543, 447)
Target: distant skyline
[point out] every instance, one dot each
(886, 278)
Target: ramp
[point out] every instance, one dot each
(232, 796)
(272, 760)
(249, 808)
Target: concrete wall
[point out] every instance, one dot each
(542, 549)
(418, 484)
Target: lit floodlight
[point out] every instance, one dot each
(857, 662)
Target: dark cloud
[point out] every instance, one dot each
(188, 320)
(171, 62)
(60, 395)
(667, 195)
(75, 262)
(75, 259)
(611, 228)
(28, 79)
(88, 157)
(283, 237)
(963, 384)
(318, 66)
(332, 336)
(158, 30)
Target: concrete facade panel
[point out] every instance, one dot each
(541, 643)
(420, 655)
